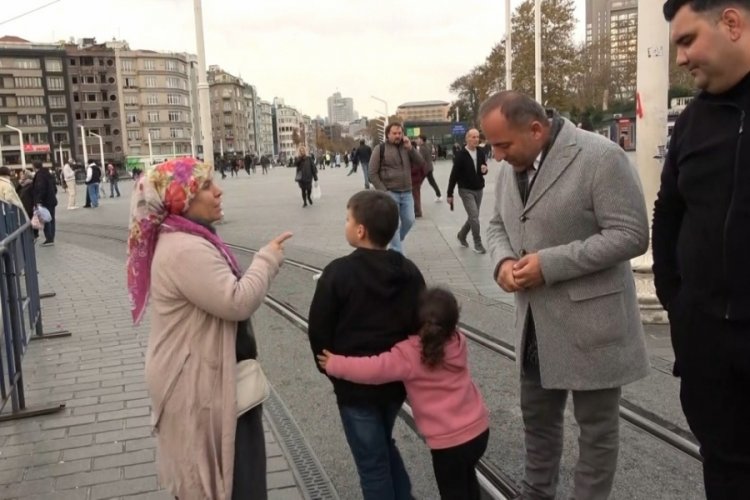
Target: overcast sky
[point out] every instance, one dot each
(302, 51)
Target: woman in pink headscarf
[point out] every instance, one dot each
(201, 303)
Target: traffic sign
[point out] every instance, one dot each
(458, 129)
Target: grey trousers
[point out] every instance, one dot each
(472, 200)
(597, 414)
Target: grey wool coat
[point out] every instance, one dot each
(196, 302)
(586, 218)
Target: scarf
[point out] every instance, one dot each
(160, 198)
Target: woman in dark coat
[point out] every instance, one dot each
(306, 174)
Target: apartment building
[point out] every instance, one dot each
(425, 111)
(228, 115)
(340, 109)
(33, 99)
(287, 135)
(156, 94)
(94, 98)
(265, 128)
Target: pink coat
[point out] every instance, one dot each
(448, 408)
(196, 302)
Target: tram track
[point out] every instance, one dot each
(495, 483)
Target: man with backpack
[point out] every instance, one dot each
(390, 171)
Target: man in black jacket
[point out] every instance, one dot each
(701, 238)
(364, 152)
(45, 194)
(469, 169)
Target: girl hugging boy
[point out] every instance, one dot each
(448, 409)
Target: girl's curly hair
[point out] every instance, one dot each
(438, 315)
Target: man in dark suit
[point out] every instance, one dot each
(469, 169)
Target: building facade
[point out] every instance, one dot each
(95, 102)
(34, 99)
(340, 109)
(228, 116)
(431, 111)
(288, 130)
(265, 128)
(157, 103)
(612, 28)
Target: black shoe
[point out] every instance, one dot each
(304, 205)
(479, 248)
(462, 240)
(48, 243)
(310, 200)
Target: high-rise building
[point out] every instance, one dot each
(34, 99)
(228, 116)
(612, 28)
(340, 109)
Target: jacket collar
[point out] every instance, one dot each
(560, 156)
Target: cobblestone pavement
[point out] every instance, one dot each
(100, 445)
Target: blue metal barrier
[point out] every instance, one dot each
(21, 310)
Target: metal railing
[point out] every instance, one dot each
(20, 302)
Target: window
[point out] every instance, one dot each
(127, 65)
(153, 116)
(130, 82)
(150, 81)
(32, 120)
(132, 118)
(175, 133)
(175, 99)
(27, 82)
(30, 101)
(55, 83)
(57, 101)
(152, 99)
(131, 100)
(58, 137)
(53, 65)
(87, 61)
(90, 97)
(171, 65)
(149, 64)
(90, 80)
(59, 119)
(174, 116)
(28, 64)
(155, 133)
(134, 135)
(173, 83)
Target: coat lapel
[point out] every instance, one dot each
(562, 154)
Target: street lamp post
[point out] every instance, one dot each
(203, 88)
(83, 143)
(20, 143)
(538, 49)
(385, 103)
(101, 151)
(508, 47)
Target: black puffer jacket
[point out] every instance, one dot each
(701, 232)
(45, 190)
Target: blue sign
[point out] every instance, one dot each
(459, 129)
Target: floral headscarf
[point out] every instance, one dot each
(160, 198)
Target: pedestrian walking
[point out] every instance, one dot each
(69, 178)
(45, 195)
(425, 151)
(93, 178)
(305, 175)
(364, 152)
(114, 179)
(264, 163)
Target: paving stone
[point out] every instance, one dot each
(27, 488)
(281, 479)
(123, 435)
(79, 494)
(122, 414)
(153, 495)
(98, 408)
(140, 444)
(275, 464)
(68, 421)
(140, 470)
(87, 479)
(24, 461)
(285, 494)
(58, 469)
(63, 444)
(122, 459)
(96, 450)
(124, 487)
(124, 396)
(95, 428)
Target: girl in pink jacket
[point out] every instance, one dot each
(448, 408)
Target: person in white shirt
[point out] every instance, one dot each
(69, 176)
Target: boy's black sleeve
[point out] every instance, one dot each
(323, 316)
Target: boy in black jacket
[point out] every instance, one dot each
(364, 304)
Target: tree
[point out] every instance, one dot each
(560, 63)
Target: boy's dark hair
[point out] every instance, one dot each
(671, 7)
(391, 125)
(377, 212)
(438, 315)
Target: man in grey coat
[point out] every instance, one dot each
(569, 215)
